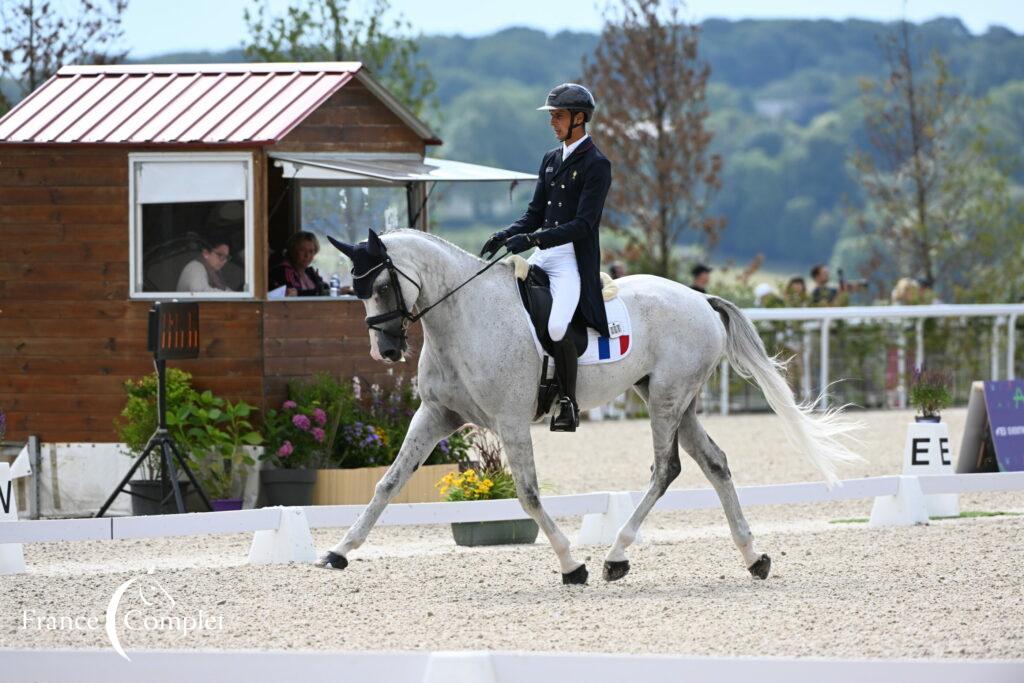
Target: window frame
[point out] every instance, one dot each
(135, 223)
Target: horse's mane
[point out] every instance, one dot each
(434, 238)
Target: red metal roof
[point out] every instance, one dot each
(174, 104)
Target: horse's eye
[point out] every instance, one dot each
(383, 288)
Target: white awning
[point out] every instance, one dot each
(399, 169)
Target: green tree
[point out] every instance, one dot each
(325, 30)
(935, 200)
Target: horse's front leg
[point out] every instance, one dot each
(429, 425)
(519, 448)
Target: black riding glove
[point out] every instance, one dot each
(520, 243)
(496, 242)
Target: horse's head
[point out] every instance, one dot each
(388, 294)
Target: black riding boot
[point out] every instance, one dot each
(568, 418)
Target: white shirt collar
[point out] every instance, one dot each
(568, 149)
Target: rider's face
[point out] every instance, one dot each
(560, 123)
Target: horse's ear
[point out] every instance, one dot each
(346, 249)
(374, 246)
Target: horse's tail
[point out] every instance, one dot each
(816, 434)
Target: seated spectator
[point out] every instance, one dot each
(823, 294)
(701, 278)
(295, 271)
(796, 292)
(765, 296)
(202, 274)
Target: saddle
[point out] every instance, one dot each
(535, 292)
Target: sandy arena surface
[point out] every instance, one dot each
(949, 589)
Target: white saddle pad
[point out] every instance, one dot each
(603, 349)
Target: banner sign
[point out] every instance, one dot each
(1004, 401)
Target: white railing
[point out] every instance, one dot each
(820, 319)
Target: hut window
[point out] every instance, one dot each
(191, 225)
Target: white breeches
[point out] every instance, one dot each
(560, 265)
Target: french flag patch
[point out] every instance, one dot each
(612, 349)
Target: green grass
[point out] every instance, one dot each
(969, 514)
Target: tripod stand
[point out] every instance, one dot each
(174, 333)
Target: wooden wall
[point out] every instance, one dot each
(302, 338)
(352, 120)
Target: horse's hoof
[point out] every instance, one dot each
(613, 571)
(760, 569)
(332, 561)
(577, 576)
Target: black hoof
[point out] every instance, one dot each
(760, 569)
(332, 561)
(613, 571)
(578, 576)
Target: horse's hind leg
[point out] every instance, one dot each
(664, 422)
(519, 449)
(712, 462)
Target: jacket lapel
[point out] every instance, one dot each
(574, 158)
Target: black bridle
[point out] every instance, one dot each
(403, 312)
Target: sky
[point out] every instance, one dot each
(159, 26)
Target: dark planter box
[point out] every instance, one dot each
(501, 532)
(150, 505)
(225, 504)
(288, 487)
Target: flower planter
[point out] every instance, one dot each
(927, 419)
(225, 504)
(502, 532)
(150, 505)
(288, 487)
(355, 486)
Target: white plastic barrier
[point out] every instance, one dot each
(172, 666)
(897, 501)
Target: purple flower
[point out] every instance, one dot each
(445, 448)
(320, 416)
(318, 434)
(285, 450)
(301, 421)
(289, 405)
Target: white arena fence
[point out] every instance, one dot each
(819, 320)
(283, 534)
(172, 666)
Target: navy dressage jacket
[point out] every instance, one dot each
(566, 207)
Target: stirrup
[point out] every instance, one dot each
(568, 418)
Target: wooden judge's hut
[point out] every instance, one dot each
(114, 178)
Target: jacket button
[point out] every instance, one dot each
(559, 203)
(552, 184)
(556, 222)
(549, 203)
(563, 187)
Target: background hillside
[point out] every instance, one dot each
(785, 111)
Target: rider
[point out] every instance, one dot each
(563, 219)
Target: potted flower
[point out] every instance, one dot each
(488, 480)
(929, 393)
(296, 440)
(219, 437)
(371, 427)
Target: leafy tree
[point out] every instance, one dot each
(651, 120)
(325, 30)
(39, 37)
(934, 197)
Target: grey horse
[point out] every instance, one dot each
(479, 365)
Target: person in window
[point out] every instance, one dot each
(295, 271)
(202, 274)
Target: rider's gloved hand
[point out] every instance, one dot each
(520, 243)
(496, 242)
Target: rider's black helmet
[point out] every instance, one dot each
(572, 97)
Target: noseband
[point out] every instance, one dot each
(403, 312)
